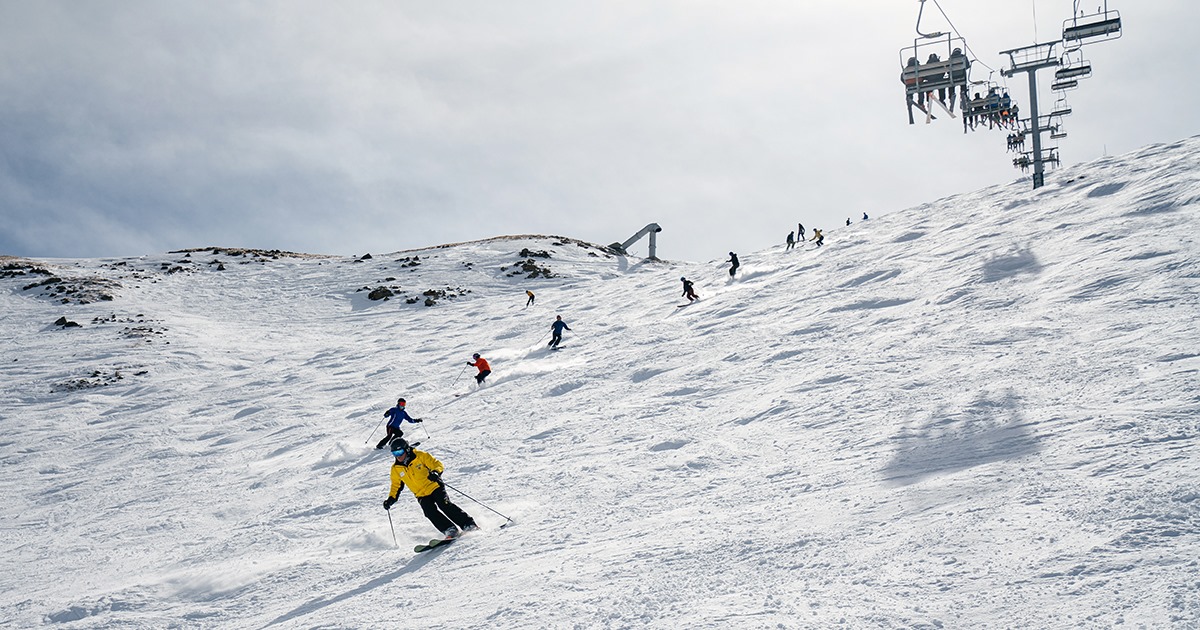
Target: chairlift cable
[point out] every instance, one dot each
(1035, 37)
(955, 29)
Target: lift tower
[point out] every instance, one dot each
(1029, 60)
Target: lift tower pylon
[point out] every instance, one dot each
(1029, 60)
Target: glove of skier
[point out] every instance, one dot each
(435, 476)
(418, 420)
(389, 502)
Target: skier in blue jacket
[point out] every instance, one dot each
(396, 415)
(558, 326)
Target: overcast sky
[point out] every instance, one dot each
(351, 127)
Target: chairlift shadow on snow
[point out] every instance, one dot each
(988, 430)
(1016, 262)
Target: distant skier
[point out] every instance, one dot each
(396, 416)
(557, 327)
(530, 301)
(847, 220)
(480, 364)
(734, 267)
(864, 216)
(422, 473)
(800, 230)
(791, 240)
(688, 291)
(818, 237)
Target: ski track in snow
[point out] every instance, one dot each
(980, 412)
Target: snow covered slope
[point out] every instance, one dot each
(981, 412)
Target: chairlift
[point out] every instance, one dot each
(935, 73)
(1073, 65)
(995, 109)
(1060, 111)
(1090, 28)
(945, 68)
(1062, 86)
(1073, 72)
(1058, 133)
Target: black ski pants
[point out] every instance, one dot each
(482, 375)
(442, 513)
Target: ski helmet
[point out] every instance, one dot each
(475, 356)
(399, 446)
(401, 402)
(683, 279)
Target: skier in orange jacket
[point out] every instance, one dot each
(482, 365)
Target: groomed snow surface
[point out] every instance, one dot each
(977, 413)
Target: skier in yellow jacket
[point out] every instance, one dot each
(422, 473)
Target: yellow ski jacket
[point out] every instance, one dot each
(415, 475)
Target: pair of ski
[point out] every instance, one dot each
(929, 111)
(442, 542)
(434, 544)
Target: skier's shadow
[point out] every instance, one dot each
(317, 604)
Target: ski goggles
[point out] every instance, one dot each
(399, 453)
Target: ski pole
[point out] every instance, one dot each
(393, 529)
(373, 431)
(460, 373)
(543, 336)
(476, 500)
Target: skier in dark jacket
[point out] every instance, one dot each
(396, 416)
(791, 240)
(734, 267)
(558, 327)
(423, 475)
(688, 291)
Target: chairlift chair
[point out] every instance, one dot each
(1062, 86)
(934, 63)
(1073, 72)
(926, 76)
(1101, 26)
(1073, 65)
